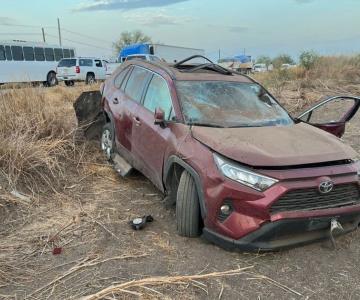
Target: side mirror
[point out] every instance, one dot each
(159, 117)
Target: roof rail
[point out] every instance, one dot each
(190, 58)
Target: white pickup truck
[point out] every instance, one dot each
(88, 69)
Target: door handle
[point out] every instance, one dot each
(137, 121)
(116, 101)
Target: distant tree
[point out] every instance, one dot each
(282, 59)
(128, 38)
(308, 59)
(263, 59)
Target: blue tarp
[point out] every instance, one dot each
(243, 58)
(134, 49)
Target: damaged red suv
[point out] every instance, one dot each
(241, 171)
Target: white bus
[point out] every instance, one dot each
(31, 62)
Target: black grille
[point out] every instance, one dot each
(311, 199)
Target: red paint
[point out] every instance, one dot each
(148, 147)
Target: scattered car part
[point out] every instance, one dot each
(139, 223)
(57, 250)
(335, 229)
(121, 165)
(89, 114)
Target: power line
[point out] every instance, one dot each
(81, 43)
(56, 28)
(19, 33)
(84, 35)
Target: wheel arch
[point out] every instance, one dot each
(173, 166)
(90, 72)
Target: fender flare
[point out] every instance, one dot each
(173, 159)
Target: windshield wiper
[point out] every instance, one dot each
(205, 124)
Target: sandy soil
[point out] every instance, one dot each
(89, 219)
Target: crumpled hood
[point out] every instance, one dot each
(274, 146)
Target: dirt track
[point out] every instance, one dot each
(101, 204)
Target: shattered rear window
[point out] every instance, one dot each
(229, 104)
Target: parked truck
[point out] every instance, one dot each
(170, 54)
(239, 63)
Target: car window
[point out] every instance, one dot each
(67, 62)
(8, 53)
(126, 79)
(39, 54)
(98, 63)
(66, 53)
(49, 54)
(120, 77)
(158, 95)
(330, 112)
(58, 54)
(230, 104)
(135, 85)
(29, 53)
(2, 52)
(17, 53)
(85, 62)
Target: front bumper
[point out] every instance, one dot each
(285, 233)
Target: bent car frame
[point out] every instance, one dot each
(239, 169)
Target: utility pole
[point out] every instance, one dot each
(59, 31)
(244, 51)
(43, 34)
(219, 54)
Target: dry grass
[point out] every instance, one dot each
(37, 130)
(298, 88)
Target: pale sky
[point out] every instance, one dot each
(267, 27)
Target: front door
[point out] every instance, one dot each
(331, 114)
(100, 69)
(150, 140)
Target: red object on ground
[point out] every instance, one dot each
(57, 251)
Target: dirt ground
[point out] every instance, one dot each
(89, 218)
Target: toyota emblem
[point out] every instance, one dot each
(326, 187)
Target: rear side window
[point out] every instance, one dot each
(8, 53)
(120, 77)
(72, 53)
(17, 53)
(98, 63)
(49, 54)
(28, 53)
(58, 54)
(39, 54)
(67, 63)
(158, 95)
(123, 85)
(135, 85)
(66, 53)
(85, 62)
(2, 52)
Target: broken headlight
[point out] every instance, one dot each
(243, 175)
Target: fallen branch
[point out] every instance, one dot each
(85, 263)
(160, 280)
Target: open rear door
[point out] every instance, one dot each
(331, 114)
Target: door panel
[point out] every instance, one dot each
(332, 114)
(150, 140)
(127, 103)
